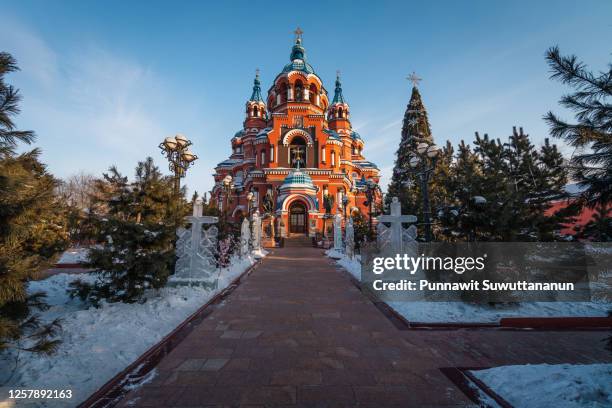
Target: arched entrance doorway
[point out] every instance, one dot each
(298, 218)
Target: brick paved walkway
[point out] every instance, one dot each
(298, 333)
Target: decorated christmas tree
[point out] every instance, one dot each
(406, 185)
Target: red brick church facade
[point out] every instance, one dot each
(294, 149)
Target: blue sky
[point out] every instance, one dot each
(103, 82)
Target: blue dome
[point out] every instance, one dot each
(298, 65)
(297, 177)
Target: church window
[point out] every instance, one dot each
(323, 158)
(283, 92)
(263, 157)
(271, 153)
(340, 112)
(339, 196)
(299, 90)
(333, 158)
(297, 152)
(313, 94)
(255, 111)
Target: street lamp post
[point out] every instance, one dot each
(176, 150)
(370, 191)
(228, 187)
(249, 199)
(345, 201)
(423, 164)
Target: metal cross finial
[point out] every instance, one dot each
(414, 79)
(298, 33)
(338, 73)
(257, 72)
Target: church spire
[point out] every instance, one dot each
(298, 52)
(338, 97)
(256, 95)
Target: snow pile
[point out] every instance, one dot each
(99, 343)
(544, 385)
(461, 312)
(353, 266)
(74, 256)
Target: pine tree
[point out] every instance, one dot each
(599, 227)
(32, 228)
(503, 190)
(591, 163)
(461, 217)
(415, 129)
(136, 223)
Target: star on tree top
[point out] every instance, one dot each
(414, 79)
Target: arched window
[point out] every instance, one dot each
(323, 158)
(333, 159)
(299, 91)
(297, 152)
(271, 153)
(340, 112)
(283, 92)
(313, 94)
(263, 157)
(339, 197)
(255, 111)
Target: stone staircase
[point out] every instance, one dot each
(298, 241)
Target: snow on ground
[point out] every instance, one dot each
(74, 256)
(353, 266)
(461, 312)
(545, 385)
(99, 343)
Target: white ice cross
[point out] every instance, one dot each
(396, 219)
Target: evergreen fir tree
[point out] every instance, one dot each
(502, 191)
(32, 228)
(461, 217)
(406, 185)
(591, 163)
(599, 227)
(415, 129)
(136, 223)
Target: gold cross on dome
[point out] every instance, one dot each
(414, 79)
(298, 33)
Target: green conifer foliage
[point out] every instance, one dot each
(136, 222)
(502, 191)
(406, 185)
(32, 228)
(591, 135)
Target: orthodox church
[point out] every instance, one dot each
(296, 153)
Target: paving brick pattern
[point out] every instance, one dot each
(298, 333)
